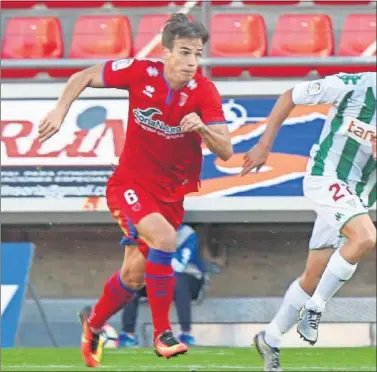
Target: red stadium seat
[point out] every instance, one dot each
(301, 35)
(358, 34)
(107, 36)
(12, 4)
(74, 4)
(237, 35)
(140, 3)
(15, 4)
(148, 27)
(358, 38)
(341, 2)
(213, 2)
(271, 2)
(31, 38)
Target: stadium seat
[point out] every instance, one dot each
(358, 38)
(271, 2)
(359, 33)
(213, 2)
(301, 35)
(12, 4)
(31, 38)
(341, 2)
(74, 4)
(237, 35)
(107, 36)
(140, 3)
(149, 26)
(15, 4)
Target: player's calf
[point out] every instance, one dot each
(315, 266)
(159, 279)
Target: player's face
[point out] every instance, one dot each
(183, 60)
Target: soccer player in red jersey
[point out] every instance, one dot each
(172, 109)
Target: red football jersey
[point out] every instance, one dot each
(156, 151)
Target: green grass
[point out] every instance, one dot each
(198, 359)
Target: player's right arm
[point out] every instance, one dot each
(112, 74)
(323, 91)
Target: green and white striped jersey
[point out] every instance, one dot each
(344, 149)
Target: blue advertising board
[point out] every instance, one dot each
(16, 260)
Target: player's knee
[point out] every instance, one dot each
(131, 279)
(364, 238)
(132, 274)
(368, 241)
(361, 233)
(165, 239)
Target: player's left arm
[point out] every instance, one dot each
(211, 124)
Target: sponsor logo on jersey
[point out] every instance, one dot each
(146, 118)
(361, 132)
(148, 91)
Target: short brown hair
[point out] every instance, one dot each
(180, 27)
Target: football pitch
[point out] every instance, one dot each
(198, 359)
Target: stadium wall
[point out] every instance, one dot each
(258, 262)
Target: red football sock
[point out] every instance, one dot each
(160, 283)
(115, 295)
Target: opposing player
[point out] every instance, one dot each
(341, 184)
(172, 109)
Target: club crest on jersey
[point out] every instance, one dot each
(146, 118)
(182, 99)
(359, 131)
